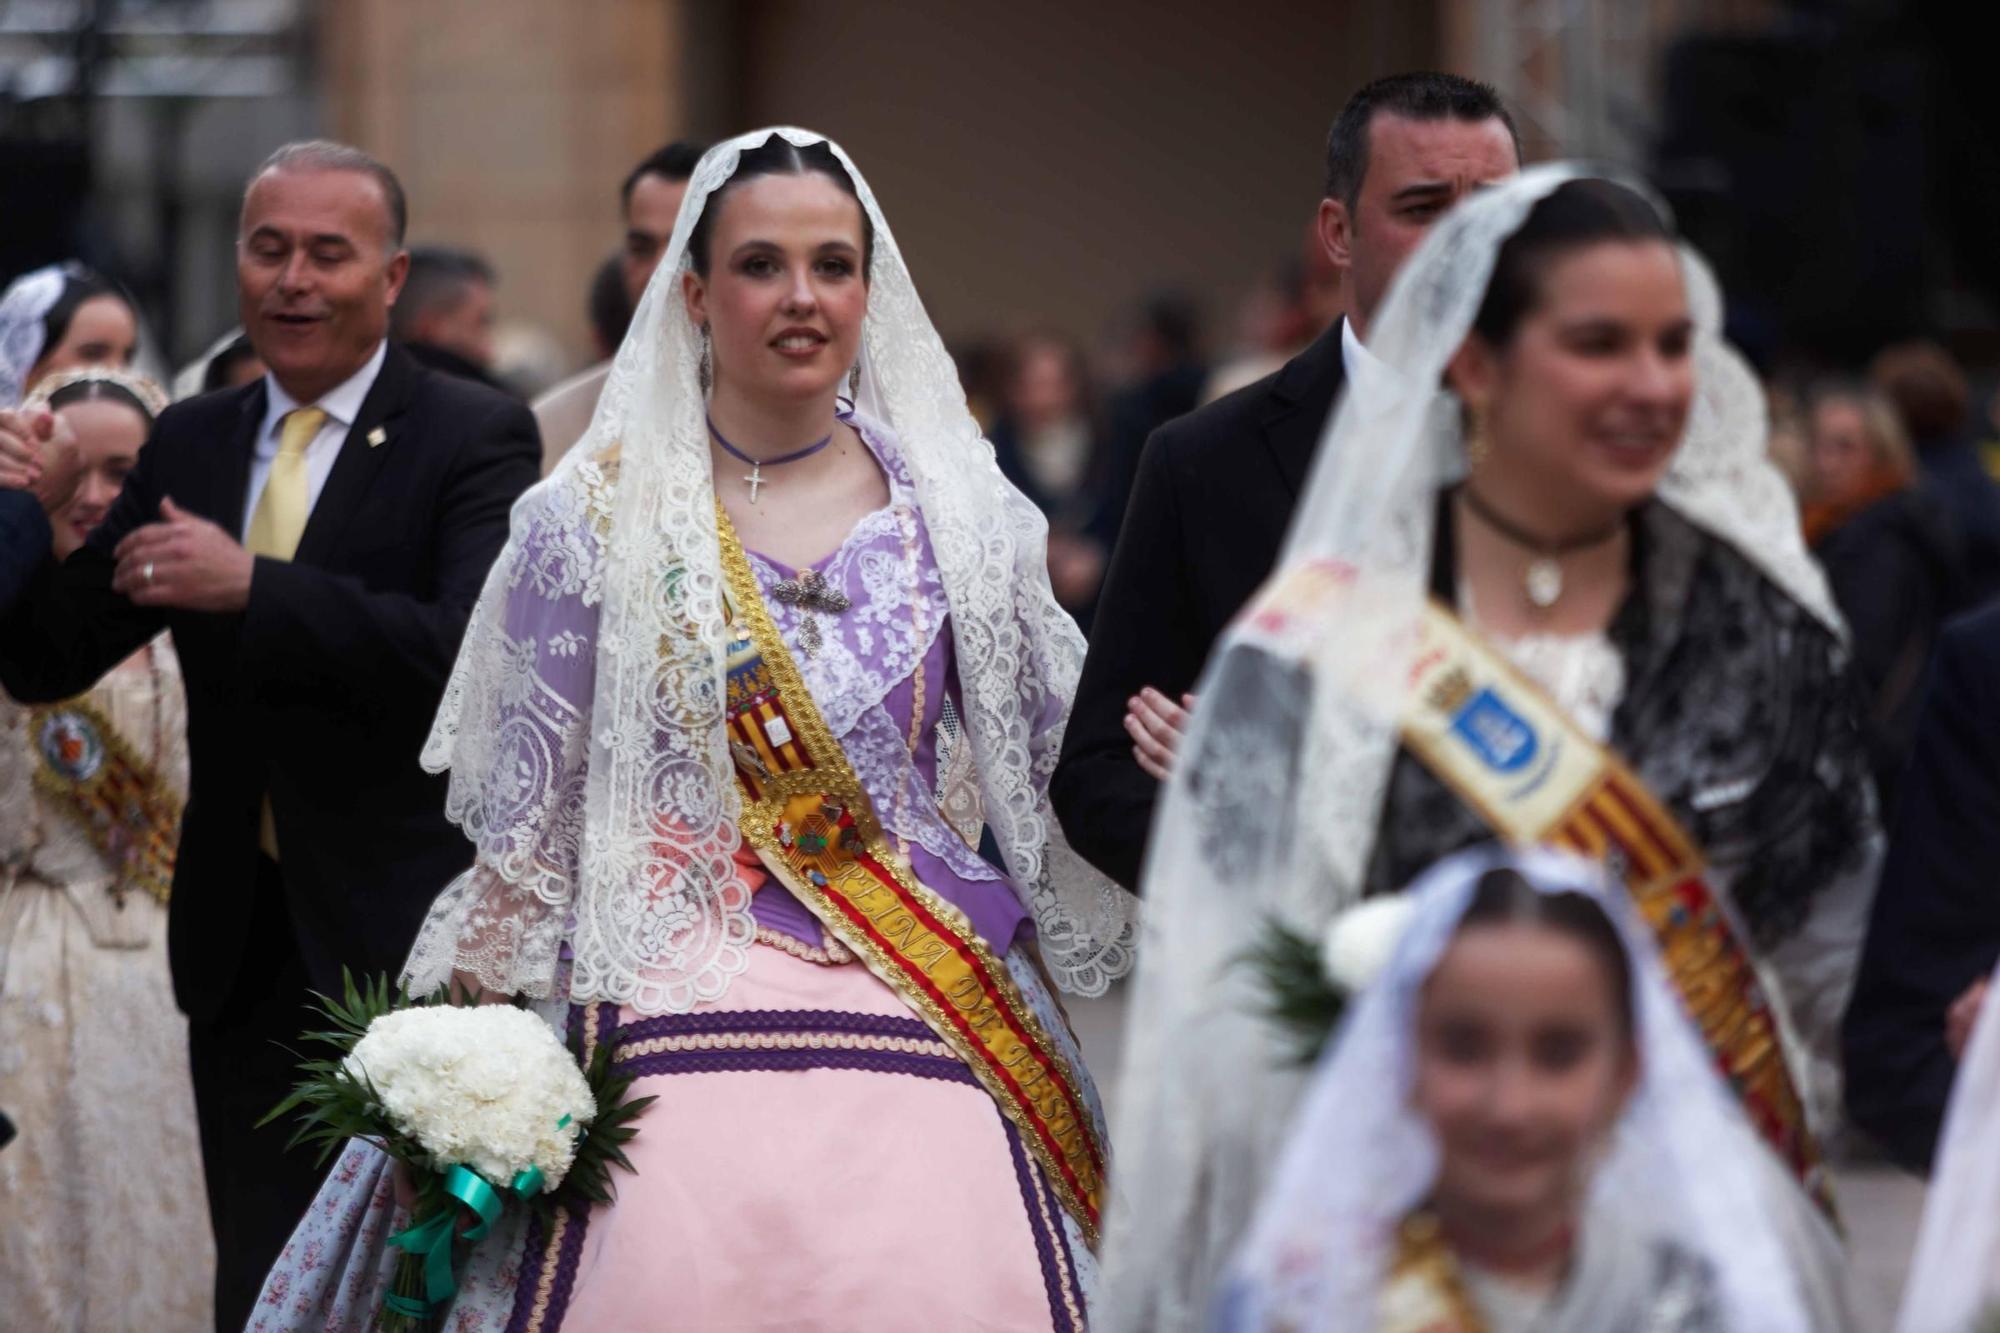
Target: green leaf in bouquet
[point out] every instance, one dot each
(601, 1145)
(1298, 995)
(330, 1103)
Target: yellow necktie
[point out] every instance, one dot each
(280, 517)
(276, 526)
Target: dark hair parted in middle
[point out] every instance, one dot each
(96, 390)
(1420, 95)
(778, 156)
(1503, 897)
(1572, 217)
(79, 284)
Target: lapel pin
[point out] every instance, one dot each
(376, 436)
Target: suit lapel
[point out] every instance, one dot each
(369, 442)
(233, 480)
(1299, 403)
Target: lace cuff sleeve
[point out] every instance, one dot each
(518, 749)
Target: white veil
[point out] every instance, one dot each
(26, 301)
(1280, 783)
(583, 723)
(1683, 1161)
(1954, 1281)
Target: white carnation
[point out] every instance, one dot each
(1361, 941)
(484, 1086)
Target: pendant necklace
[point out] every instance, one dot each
(1543, 579)
(754, 479)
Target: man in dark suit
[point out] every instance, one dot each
(1935, 935)
(315, 540)
(1215, 488)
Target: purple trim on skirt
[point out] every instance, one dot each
(603, 1019)
(773, 1020)
(804, 1022)
(1051, 1249)
(946, 1067)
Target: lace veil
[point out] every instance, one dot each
(22, 306)
(1683, 1164)
(1273, 805)
(583, 723)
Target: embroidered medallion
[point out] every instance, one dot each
(122, 804)
(71, 744)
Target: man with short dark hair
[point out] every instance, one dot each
(651, 200)
(1215, 489)
(315, 540)
(446, 313)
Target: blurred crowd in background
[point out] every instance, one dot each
(1895, 460)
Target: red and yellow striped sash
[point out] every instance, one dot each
(810, 821)
(1514, 757)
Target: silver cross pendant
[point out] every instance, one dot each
(810, 593)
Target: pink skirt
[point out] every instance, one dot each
(817, 1159)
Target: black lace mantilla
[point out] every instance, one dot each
(1739, 713)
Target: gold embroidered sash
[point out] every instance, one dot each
(1532, 775)
(808, 817)
(1424, 1290)
(120, 801)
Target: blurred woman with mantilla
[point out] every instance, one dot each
(1550, 590)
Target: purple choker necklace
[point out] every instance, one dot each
(754, 479)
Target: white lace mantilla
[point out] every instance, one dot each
(583, 723)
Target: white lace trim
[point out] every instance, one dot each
(582, 724)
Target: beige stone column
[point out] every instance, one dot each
(511, 123)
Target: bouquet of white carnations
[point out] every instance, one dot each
(479, 1102)
(1307, 984)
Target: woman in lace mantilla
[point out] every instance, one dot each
(102, 1230)
(739, 589)
(1575, 547)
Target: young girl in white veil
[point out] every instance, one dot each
(1543, 587)
(757, 666)
(1517, 1130)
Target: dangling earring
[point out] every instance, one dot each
(854, 380)
(701, 370)
(1477, 445)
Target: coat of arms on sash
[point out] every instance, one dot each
(118, 799)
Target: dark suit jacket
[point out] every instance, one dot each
(1936, 926)
(321, 691)
(1209, 509)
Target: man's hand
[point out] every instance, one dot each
(1155, 723)
(39, 453)
(184, 562)
(1958, 1019)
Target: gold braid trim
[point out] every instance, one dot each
(881, 914)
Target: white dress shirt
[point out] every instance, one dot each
(342, 404)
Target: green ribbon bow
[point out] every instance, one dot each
(432, 1237)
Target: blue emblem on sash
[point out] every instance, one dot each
(1501, 737)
